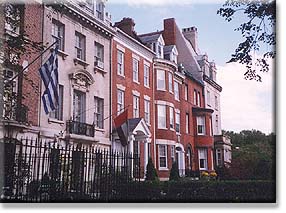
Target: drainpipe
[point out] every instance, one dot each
(110, 91)
(154, 116)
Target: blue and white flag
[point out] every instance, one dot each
(49, 75)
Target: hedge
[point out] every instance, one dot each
(203, 191)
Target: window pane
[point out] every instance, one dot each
(161, 80)
(161, 116)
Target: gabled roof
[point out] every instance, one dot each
(150, 37)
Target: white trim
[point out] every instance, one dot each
(137, 57)
(133, 50)
(177, 110)
(146, 97)
(121, 87)
(122, 49)
(166, 103)
(147, 63)
(136, 93)
(165, 142)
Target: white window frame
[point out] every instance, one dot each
(147, 111)
(219, 160)
(146, 75)
(161, 116)
(136, 106)
(199, 99)
(135, 68)
(201, 122)
(195, 97)
(80, 46)
(172, 120)
(208, 98)
(58, 33)
(203, 155)
(173, 153)
(177, 122)
(187, 123)
(161, 81)
(120, 63)
(99, 112)
(170, 80)
(98, 52)
(176, 91)
(216, 102)
(120, 101)
(162, 154)
(186, 92)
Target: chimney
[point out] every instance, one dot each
(191, 34)
(126, 25)
(169, 33)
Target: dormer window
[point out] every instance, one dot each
(100, 10)
(159, 50)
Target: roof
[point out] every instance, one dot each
(150, 38)
(169, 48)
(132, 123)
(193, 77)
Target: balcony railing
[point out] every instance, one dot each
(78, 128)
(16, 113)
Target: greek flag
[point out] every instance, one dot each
(49, 75)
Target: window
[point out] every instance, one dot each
(177, 122)
(120, 101)
(218, 157)
(12, 18)
(211, 129)
(135, 106)
(98, 55)
(186, 92)
(159, 50)
(208, 98)
(216, 122)
(195, 97)
(162, 156)
(147, 111)
(161, 116)
(176, 91)
(58, 33)
(58, 113)
(203, 159)
(79, 106)
(135, 70)
(187, 123)
(171, 117)
(199, 99)
(161, 80)
(80, 46)
(216, 102)
(100, 10)
(98, 114)
(201, 125)
(170, 82)
(120, 63)
(173, 153)
(146, 75)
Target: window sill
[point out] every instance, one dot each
(123, 76)
(61, 53)
(81, 62)
(178, 133)
(99, 129)
(172, 129)
(99, 69)
(137, 82)
(163, 128)
(163, 90)
(201, 134)
(148, 87)
(163, 169)
(54, 120)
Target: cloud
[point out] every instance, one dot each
(137, 3)
(246, 104)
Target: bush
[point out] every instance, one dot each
(151, 173)
(174, 173)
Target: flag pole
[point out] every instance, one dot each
(10, 80)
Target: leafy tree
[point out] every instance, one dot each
(258, 30)
(151, 173)
(253, 155)
(174, 173)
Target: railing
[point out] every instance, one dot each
(78, 128)
(16, 113)
(43, 171)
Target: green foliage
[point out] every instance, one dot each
(151, 173)
(253, 156)
(174, 173)
(257, 30)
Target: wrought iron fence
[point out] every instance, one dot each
(41, 171)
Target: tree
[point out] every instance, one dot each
(151, 174)
(174, 173)
(258, 32)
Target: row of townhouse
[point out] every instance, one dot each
(166, 88)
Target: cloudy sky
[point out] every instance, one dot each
(245, 104)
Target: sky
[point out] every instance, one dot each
(245, 104)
